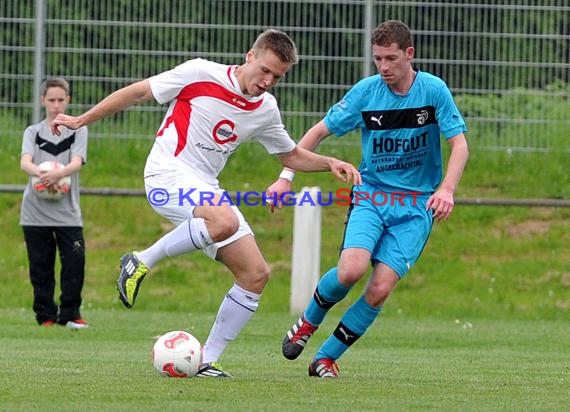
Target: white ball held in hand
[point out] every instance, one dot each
(57, 191)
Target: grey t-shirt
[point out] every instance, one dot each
(39, 142)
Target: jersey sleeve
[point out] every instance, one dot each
(29, 141)
(449, 118)
(345, 115)
(167, 85)
(274, 137)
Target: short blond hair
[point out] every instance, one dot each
(279, 43)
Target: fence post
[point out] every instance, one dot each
(306, 259)
(39, 51)
(368, 29)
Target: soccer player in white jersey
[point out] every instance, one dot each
(401, 114)
(213, 109)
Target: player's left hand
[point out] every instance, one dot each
(345, 172)
(277, 192)
(441, 203)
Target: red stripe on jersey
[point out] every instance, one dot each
(217, 91)
(181, 118)
(229, 73)
(183, 107)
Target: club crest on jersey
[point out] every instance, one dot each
(422, 117)
(224, 132)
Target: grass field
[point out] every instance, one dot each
(403, 364)
(481, 323)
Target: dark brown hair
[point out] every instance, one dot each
(392, 31)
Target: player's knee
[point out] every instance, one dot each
(377, 293)
(229, 227)
(225, 224)
(348, 276)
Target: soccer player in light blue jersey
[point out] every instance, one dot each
(402, 114)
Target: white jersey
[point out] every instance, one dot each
(208, 118)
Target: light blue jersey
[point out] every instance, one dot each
(400, 134)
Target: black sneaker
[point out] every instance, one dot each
(132, 274)
(212, 370)
(296, 338)
(324, 368)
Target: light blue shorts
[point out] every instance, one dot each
(393, 227)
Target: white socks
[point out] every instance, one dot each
(189, 236)
(235, 311)
(238, 305)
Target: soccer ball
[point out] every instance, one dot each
(57, 191)
(177, 354)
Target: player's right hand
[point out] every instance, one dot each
(345, 172)
(71, 122)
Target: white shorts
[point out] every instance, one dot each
(175, 195)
